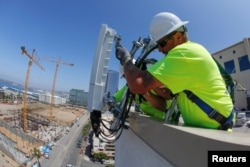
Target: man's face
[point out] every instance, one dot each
(166, 43)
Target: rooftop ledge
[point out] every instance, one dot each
(180, 145)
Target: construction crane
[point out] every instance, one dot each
(54, 82)
(24, 111)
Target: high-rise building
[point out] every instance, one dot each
(78, 97)
(112, 82)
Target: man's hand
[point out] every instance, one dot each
(123, 55)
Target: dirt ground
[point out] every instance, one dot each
(62, 115)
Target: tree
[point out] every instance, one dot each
(37, 154)
(100, 156)
(86, 129)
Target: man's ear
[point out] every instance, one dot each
(179, 37)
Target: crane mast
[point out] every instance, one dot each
(53, 92)
(54, 83)
(24, 111)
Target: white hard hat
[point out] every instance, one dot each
(163, 24)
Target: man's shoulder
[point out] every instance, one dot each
(190, 47)
(190, 43)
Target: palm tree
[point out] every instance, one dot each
(37, 154)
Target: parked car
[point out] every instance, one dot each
(240, 119)
(106, 162)
(46, 155)
(248, 124)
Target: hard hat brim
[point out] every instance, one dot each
(183, 23)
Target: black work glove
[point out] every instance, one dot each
(122, 54)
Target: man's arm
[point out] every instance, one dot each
(156, 101)
(159, 100)
(139, 82)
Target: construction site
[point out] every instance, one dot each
(16, 145)
(26, 123)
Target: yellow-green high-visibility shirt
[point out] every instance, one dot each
(119, 94)
(189, 66)
(144, 105)
(150, 110)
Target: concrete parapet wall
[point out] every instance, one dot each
(177, 146)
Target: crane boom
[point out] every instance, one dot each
(31, 57)
(24, 111)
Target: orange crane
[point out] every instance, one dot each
(54, 82)
(24, 111)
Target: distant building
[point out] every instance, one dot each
(1, 93)
(78, 97)
(46, 98)
(10, 94)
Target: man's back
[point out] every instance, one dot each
(189, 66)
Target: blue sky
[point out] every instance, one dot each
(68, 29)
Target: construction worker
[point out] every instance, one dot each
(187, 70)
(144, 106)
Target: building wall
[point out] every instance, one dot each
(6, 161)
(236, 60)
(101, 145)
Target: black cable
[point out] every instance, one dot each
(118, 124)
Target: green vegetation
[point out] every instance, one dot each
(86, 129)
(100, 156)
(37, 154)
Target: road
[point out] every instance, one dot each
(66, 150)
